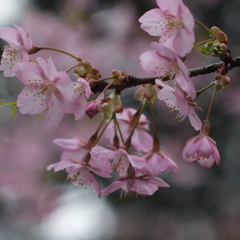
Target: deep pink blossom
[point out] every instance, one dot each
(141, 140)
(134, 186)
(201, 149)
(82, 92)
(119, 158)
(177, 100)
(164, 62)
(17, 50)
(45, 88)
(173, 23)
(94, 106)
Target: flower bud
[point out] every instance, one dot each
(112, 104)
(94, 106)
(222, 81)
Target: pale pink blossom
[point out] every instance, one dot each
(201, 149)
(119, 158)
(77, 150)
(177, 100)
(159, 162)
(45, 88)
(132, 186)
(77, 105)
(141, 140)
(74, 148)
(173, 23)
(17, 50)
(79, 173)
(164, 62)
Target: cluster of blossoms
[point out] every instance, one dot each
(134, 154)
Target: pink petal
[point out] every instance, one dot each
(29, 72)
(138, 162)
(170, 6)
(9, 35)
(158, 181)
(194, 120)
(73, 143)
(25, 39)
(64, 85)
(56, 110)
(51, 70)
(144, 187)
(29, 102)
(150, 22)
(62, 165)
(113, 187)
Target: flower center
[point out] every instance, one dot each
(11, 56)
(169, 26)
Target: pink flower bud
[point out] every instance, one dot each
(92, 109)
(94, 106)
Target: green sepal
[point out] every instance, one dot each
(40, 116)
(13, 110)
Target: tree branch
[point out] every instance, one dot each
(132, 81)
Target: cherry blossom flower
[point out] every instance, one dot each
(201, 149)
(77, 149)
(120, 159)
(45, 88)
(141, 140)
(173, 22)
(82, 92)
(79, 173)
(177, 100)
(164, 62)
(159, 162)
(17, 50)
(132, 186)
(74, 148)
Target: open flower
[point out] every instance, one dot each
(77, 105)
(77, 149)
(119, 158)
(159, 162)
(141, 140)
(79, 173)
(133, 186)
(177, 100)
(45, 88)
(173, 22)
(164, 62)
(202, 149)
(17, 50)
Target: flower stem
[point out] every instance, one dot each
(210, 105)
(127, 143)
(58, 50)
(70, 68)
(202, 42)
(156, 139)
(100, 135)
(205, 27)
(118, 127)
(205, 88)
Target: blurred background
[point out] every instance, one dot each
(201, 204)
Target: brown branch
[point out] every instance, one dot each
(132, 81)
